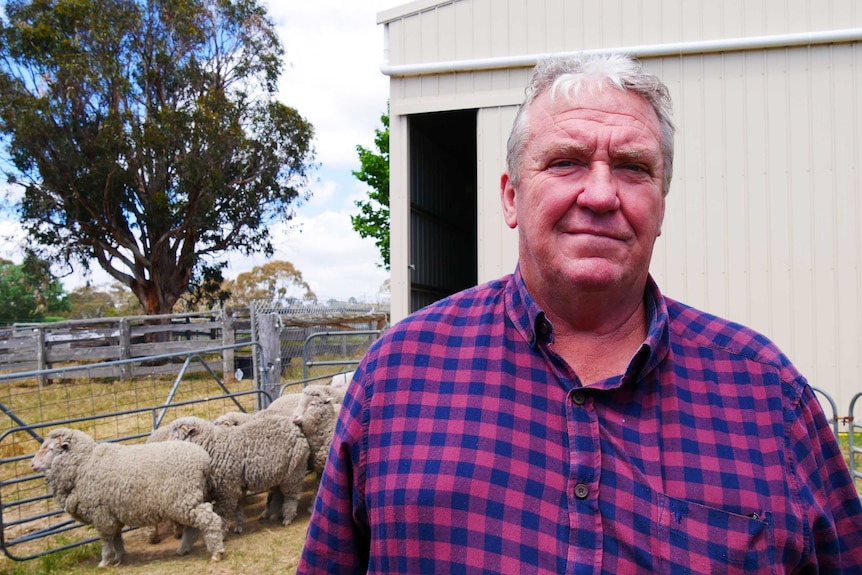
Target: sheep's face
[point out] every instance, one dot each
(311, 405)
(49, 449)
(183, 432)
(232, 419)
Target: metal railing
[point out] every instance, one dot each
(27, 512)
(307, 362)
(855, 450)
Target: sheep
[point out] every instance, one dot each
(283, 406)
(157, 435)
(316, 415)
(233, 418)
(341, 379)
(110, 485)
(265, 453)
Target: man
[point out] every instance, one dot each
(569, 418)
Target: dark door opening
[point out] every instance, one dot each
(443, 243)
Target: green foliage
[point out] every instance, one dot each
(28, 291)
(372, 221)
(147, 137)
(76, 558)
(88, 302)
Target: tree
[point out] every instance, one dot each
(28, 291)
(372, 221)
(277, 282)
(147, 138)
(88, 301)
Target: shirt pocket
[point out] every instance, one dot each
(693, 538)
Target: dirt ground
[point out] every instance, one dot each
(263, 548)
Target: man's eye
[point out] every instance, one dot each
(636, 168)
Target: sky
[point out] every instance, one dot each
(333, 53)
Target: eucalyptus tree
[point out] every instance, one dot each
(147, 138)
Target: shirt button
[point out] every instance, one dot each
(531, 337)
(581, 490)
(578, 398)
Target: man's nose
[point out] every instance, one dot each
(600, 190)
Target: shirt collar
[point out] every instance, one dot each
(655, 346)
(530, 322)
(523, 311)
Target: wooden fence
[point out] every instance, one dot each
(87, 342)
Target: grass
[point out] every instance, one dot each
(65, 561)
(263, 548)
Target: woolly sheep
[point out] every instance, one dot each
(110, 485)
(316, 415)
(233, 418)
(341, 379)
(153, 536)
(265, 453)
(283, 406)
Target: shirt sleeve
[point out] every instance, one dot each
(337, 541)
(826, 491)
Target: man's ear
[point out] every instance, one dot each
(507, 197)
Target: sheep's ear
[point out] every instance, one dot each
(191, 430)
(65, 443)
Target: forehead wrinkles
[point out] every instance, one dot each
(582, 130)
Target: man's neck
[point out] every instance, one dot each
(600, 343)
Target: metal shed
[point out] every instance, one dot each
(764, 217)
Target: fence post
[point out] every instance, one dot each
(228, 337)
(41, 355)
(270, 345)
(125, 344)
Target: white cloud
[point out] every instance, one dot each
(333, 53)
(11, 241)
(334, 261)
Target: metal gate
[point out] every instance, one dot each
(31, 524)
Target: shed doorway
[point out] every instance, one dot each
(443, 205)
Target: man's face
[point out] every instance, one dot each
(589, 204)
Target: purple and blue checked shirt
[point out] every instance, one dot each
(467, 446)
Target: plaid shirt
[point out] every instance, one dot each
(466, 445)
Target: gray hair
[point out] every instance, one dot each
(567, 75)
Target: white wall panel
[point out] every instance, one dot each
(497, 243)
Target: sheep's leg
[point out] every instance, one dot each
(189, 536)
(226, 509)
(107, 551)
(238, 517)
(112, 548)
(153, 534)
(119, 547)
(274, 503)
(209, 522)
(291, 489)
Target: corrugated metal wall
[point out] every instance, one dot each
(763, 218)
(764, 215)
